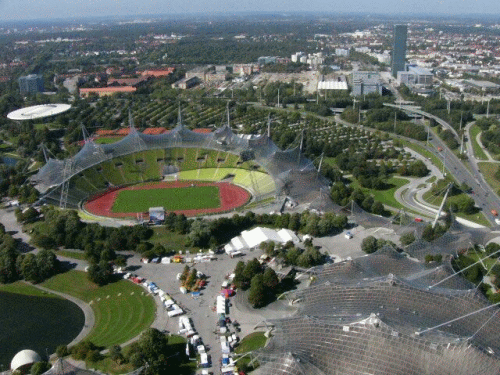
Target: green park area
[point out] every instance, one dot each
(478, 151)
(122, 309)
(20, 287)
(488, 170)
(386, 196)
(172, 199)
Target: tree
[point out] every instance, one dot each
(377, 208)
(115, 353)
(407, 238)
(292, 255)
(200, 233)
(29, 268)
(185, 273)
(251, 269)
(239, 278)
(191, 280)
(257, 293)
(369, 245)
(47, 264)
(40, 367)
(100, 273)
(154, 349)
(62, 351)
(270, 279)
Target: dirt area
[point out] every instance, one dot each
(309, 79)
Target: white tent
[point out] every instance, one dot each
(250, 239)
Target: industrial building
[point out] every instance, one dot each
(399, 49)
(364, 83)
(30, 84)
(415, 76)
(484, 86)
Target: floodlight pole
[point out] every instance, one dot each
(418, 333)
(179, 116)
(462, 270)
(269, 126)
(320, 163)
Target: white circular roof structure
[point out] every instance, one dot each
(38, 111)
(24, 357)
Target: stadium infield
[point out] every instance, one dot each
(190, 198)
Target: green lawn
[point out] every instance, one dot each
(387, 196)
(71, 254)
(171, 240)
(108, 140)
(122, 309)
(251, 342)
(20, 287)
(187, 198)
(478, 151)
(488, 171)
(477, 217)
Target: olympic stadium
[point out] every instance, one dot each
(139, 158)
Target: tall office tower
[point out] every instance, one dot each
(399, 49)
(30, 84)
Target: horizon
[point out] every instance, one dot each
(59, 10)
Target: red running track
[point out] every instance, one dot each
(231, 197)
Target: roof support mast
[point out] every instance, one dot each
(442, 205)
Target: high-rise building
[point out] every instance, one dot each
(399, 49)
(30, 84)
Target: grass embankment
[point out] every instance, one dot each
(478, 151)
(251, 342)
(488, 171)
(122, 310)
(20, 287)
(172, 199)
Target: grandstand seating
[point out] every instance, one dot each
(193, 164)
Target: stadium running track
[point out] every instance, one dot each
(231, 197)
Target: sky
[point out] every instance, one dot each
(37, 9)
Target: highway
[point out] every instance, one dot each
(484, 197)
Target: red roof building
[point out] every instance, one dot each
(103, 91)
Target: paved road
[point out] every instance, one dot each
(484, 197)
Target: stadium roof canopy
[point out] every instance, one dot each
(38, 111)
(357, 318)
(294, 174)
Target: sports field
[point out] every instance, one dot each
(173, 199)
(190, 198)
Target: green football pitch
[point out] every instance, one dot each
(172, 199)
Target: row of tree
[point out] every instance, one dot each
(262, 282)
(31, 267)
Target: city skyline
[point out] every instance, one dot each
(11, 10)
